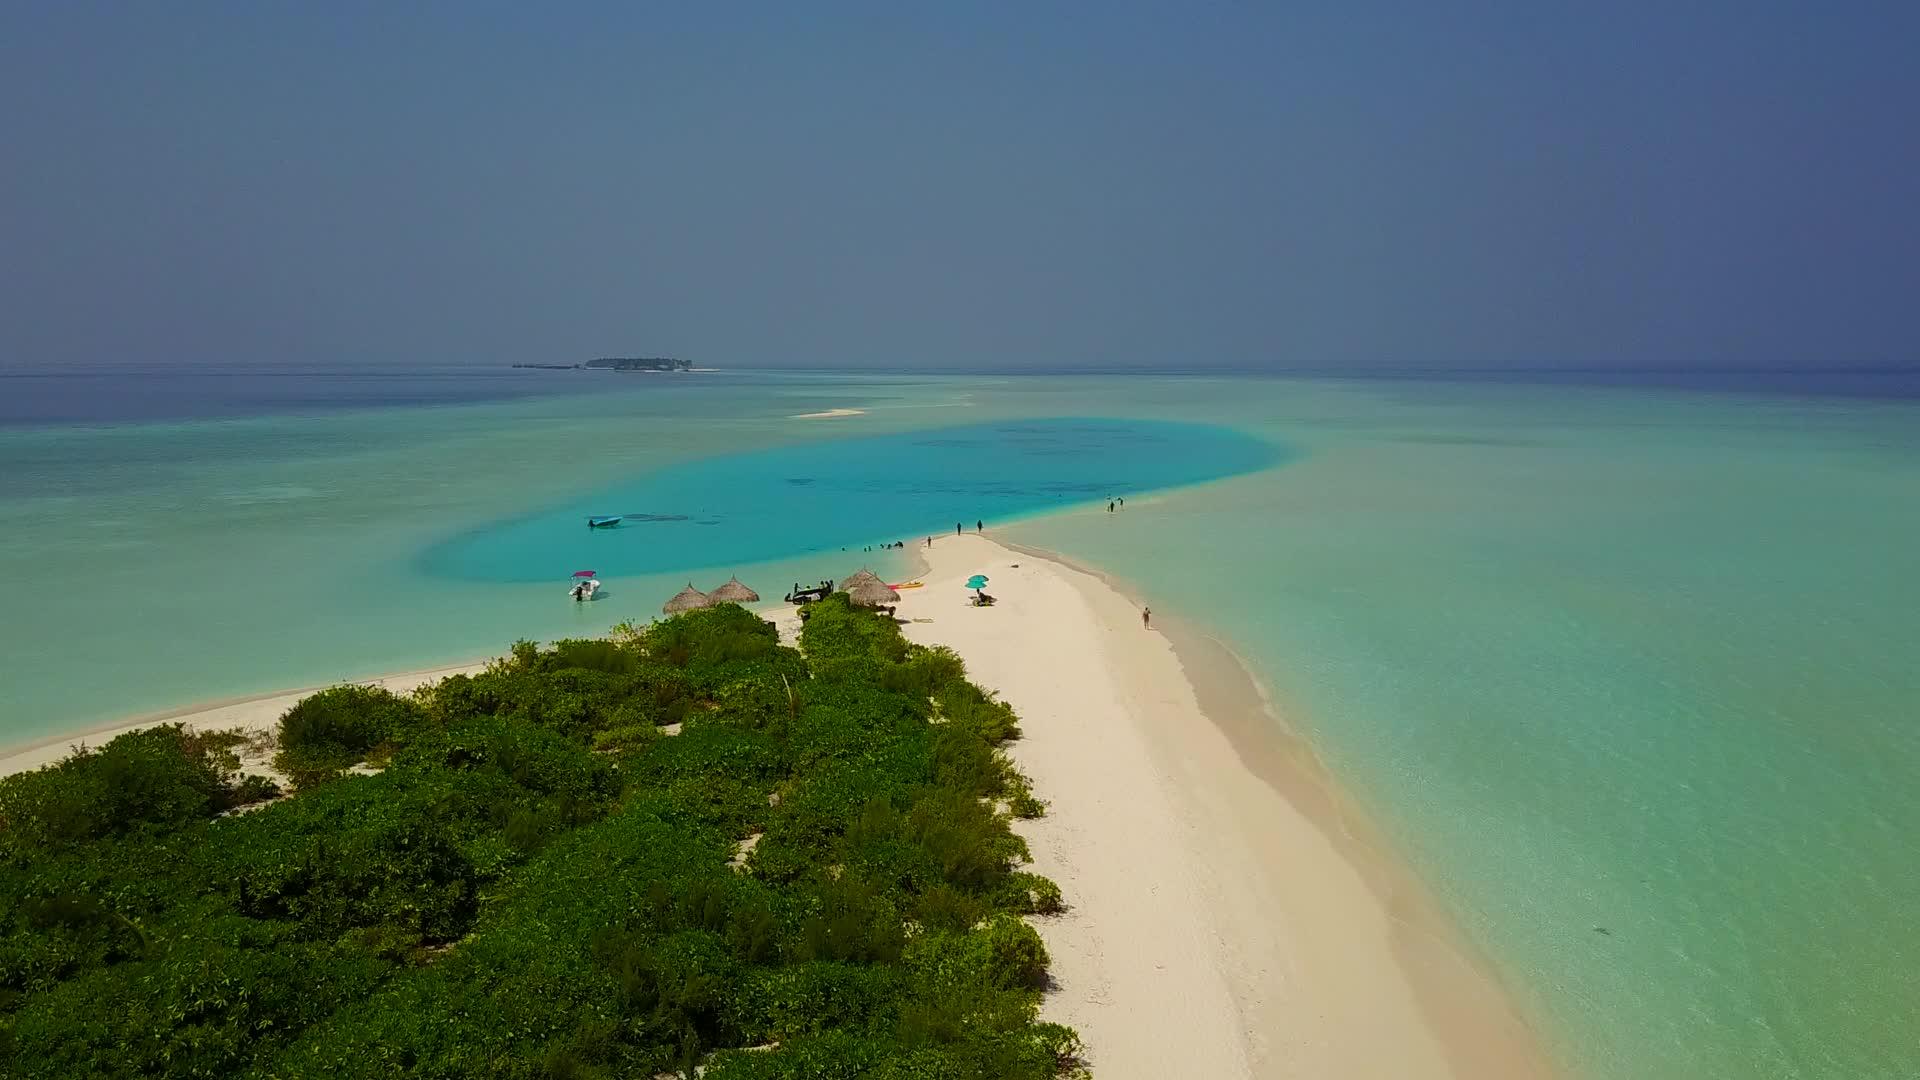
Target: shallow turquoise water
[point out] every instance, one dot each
(738, 509)
(1601, 660)
(1593, 658)
(170, 563)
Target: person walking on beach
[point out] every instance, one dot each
(1123, 502)
(1109, 506)
(979, 526)
(1146, 618)
(956, 528)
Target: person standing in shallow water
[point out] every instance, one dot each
(956, 528)
(979, 526)
(1146, 617)
(1109, 506)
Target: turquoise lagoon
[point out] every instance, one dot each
(738, 509)
(164, 564)
(1627, 675)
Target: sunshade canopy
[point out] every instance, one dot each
(686, 599)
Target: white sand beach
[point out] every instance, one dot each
(1215, 928)
(828, 414)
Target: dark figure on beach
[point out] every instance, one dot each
(956, 528)
(1146, 617)
(979, 526)
(1109, 506)
(1123, 502)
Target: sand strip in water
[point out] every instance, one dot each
(1223, 922)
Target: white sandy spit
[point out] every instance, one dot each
(1213, 928)
(830, 414)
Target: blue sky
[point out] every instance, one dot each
(1046, 185)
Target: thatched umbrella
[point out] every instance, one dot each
(686, 599)
(871, 593)
(859, 577)
(733, 593)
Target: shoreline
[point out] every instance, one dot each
(1269, 897)
(250, 713)
(1434, 952)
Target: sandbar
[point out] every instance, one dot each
(1217, 926)
(829, 414)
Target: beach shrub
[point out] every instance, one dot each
(1029, 894)
(964, 705)
(326, 732)
(835, 630)
(1021, 801)
(157, 778)
(852, 922)
(925, 672)
(944, 907)
(1017, 957)
(539, 882)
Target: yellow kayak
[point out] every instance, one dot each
(906, 585)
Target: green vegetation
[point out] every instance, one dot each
(528, 877)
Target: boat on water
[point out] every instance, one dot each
(607, 521)
(584, 586)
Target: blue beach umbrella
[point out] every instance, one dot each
(977, 581)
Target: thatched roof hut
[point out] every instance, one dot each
(858, 577)
(686, 599)
(871, 593)
(733, 593)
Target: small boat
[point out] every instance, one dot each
(584, 586)
(906, 585)
(605, 521)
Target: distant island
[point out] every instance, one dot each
(621, 363)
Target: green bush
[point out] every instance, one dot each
(1021, 801)
(852, 922)
(1017, 956)
(538, 882)
(1029, 894)
(944, 907)
(835, 630)
(326, 732)
(155, 779)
